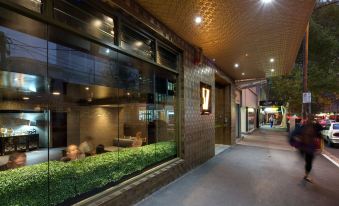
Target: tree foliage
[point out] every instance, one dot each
(323, 67)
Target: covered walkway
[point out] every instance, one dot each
(261, 170)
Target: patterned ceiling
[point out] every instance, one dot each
(246, 32)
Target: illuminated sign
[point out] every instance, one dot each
(205, 99)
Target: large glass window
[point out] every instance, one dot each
(76, 116)
(73, 13)
(34, 5)
(137, 42)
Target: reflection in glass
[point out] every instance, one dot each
(76, 116)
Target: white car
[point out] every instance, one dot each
(331, 133)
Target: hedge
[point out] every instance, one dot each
(58, 181)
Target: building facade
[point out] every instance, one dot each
(101, 102)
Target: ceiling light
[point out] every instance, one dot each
(243, 73)
(25, 98)
(271, 60)
(107, 51)
(266, 1)
(246, 54)
(56, 93)
(198, 19)
(272, 70)
(214, 60)
(236, 65)
(87, 88)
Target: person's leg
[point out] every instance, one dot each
(308, 164)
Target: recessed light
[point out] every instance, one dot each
(236, 65)
(266, 1)
(272, 70)
(56, 93)
(243, 73)
(271, 60)
(25, 98)
(213, 60)
(87, 88)
(198, 19)
(246, 55)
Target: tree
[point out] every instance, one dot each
(323, 67)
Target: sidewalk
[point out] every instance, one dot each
(261, 170)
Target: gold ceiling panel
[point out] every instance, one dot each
(246, 32)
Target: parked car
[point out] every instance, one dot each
(331, 133)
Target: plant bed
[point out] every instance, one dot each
(54, 182)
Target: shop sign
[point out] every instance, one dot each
(307, 97)
(205, 99)
(270, 103)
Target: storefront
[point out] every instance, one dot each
(78, 109)
(271, 110)
(249, 108)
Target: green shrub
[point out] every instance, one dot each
(58, 181)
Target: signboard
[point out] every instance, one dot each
(270, 103)
(307, 97)
(205, 98)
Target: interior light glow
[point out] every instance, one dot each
(97, 23)
(271, 109)
(214, 60)
(128, 93)
(138, 43)
(266, 1)
(236, 65)
(56, 93)
(243, 73)
(246, 55)
(271, 60)
(25, 98)
(272, 70)
(198, 19)
(107, 51)
(87, 88)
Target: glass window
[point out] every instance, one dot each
(335, 126)
(167, 58)
(24, 136)
(76, 116)
(34, 5)
(137, 42)
(251, 118)
(75, 14)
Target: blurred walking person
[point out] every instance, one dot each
(307, 139)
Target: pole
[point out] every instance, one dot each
(306, 107)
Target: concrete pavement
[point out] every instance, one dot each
(262, 170)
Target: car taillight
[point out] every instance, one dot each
(336, 134)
